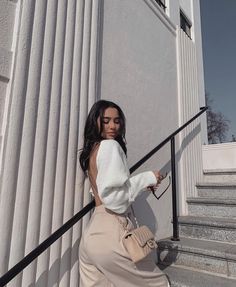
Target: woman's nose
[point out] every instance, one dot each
(112, 125)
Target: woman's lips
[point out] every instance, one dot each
(112, 134)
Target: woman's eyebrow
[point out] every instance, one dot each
(108, 118)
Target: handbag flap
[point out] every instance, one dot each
(142, 235)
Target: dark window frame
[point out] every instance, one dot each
(185, 24)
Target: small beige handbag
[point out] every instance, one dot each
(138, 242)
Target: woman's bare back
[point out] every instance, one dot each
(92, 172)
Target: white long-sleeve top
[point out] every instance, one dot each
(116, 188)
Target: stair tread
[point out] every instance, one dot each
(203, 247)
(209, 221)
(182, 277)
(220, 171)
(216, 184)
(226, 201)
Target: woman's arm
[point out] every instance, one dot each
(115, 186)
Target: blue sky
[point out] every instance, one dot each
(218, 20)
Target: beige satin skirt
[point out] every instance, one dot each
(105, 263)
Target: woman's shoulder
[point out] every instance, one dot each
(109, 147)
(109, 143)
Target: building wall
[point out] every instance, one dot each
(139, 72)
(155, 77)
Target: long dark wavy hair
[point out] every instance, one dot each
(92, 133)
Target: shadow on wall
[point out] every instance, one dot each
(51, 278)
(142, 204)
(185, 142)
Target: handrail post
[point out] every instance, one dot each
(174, 193)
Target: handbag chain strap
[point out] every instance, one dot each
(135, 218)
(127, 217)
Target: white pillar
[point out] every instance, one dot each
(38, 171)
(56, 74)
(78, 189)
(52, 142)
(27, 142)
(190, 165)
(62, 152)
(14, 134)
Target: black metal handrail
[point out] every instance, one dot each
(161, 3)
(8, 276)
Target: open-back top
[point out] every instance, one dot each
(110, 178)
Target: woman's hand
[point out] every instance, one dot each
(159, 178)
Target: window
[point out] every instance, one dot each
(185, 24)
(162, 4)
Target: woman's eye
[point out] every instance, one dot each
(117, 121)
(105, 121)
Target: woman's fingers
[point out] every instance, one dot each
(153, 188)
(159, 176)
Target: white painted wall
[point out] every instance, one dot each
(219, 156)
(139, 73)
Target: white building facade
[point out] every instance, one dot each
(56, 59)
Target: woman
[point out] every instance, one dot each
(103, 259)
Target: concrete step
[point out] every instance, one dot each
(204, 255)
(202, 206)
(181, 277)
(208, 228)
(220, 175)
(217, 189)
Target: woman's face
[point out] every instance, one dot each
(110, 123)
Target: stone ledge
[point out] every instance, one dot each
(183, 277)
(202, 247)
(202, 255)
(208, 228)
(219, 171)
(211, 201)
(208, 221)
(216, 184)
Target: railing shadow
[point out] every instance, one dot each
(171, 254)
(51, 277)
(141, 203)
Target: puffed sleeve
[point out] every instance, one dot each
(116, 189)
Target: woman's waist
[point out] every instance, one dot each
(124, 219)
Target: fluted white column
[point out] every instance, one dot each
(84, 88)
(97, 6)
(190, 138)
(70, 52)
(62, 153)
(78, 189)
(38, 173)
(27, 142)
(43, 186)
(52, 143)
(14, 134)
